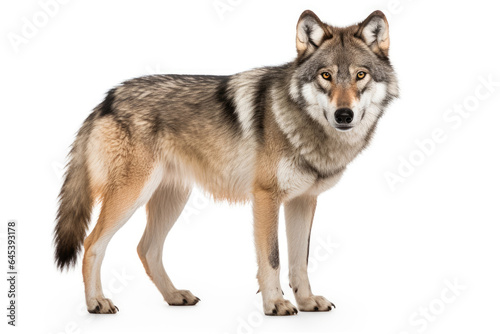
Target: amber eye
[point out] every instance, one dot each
(326, 76)
(361, 75)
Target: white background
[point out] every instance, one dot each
(383, 255)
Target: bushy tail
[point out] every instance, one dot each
(75, 204)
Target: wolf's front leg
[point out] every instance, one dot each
(266, 210)
(299, 214)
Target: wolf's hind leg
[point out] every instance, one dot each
(163, 209)
(299, 214)
(118, 205)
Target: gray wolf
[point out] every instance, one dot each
(269, 136)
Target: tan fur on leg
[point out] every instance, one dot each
(266, 209)
(118, 205)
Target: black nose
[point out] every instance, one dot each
(344, 115)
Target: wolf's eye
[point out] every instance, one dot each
(361, 75)
(326, 76)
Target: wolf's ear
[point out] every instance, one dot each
(311, 33)
(374, 31)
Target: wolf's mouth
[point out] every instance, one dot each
(344, 128)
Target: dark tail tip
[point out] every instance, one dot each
(66, 254)
(68, 240)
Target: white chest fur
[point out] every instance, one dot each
(294, 181)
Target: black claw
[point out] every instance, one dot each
(333, 305)
(184, 301)
(296, 289)
(282, 292)
(116, 307)
(287, 312)
(295, 310)
(316, 308)
(97, 309)
(275, 311)
(198, 299)
(329, 308)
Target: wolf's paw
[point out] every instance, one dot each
(279, 307)
(182, 298)
(101, 305)
(315, 304)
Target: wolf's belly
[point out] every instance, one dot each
(224, 174)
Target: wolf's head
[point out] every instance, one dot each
(343, 75)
